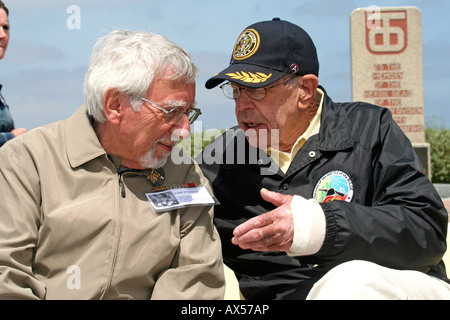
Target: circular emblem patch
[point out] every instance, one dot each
(246, 45)
(294, 68)
(335, 185)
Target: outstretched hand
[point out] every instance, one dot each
(272, 231)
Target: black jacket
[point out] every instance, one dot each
(393, 217)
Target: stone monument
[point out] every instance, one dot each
(386, 49)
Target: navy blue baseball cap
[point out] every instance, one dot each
(266, 51)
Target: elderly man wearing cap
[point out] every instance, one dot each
(338, 206)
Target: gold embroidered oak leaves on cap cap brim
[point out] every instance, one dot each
(249, 77)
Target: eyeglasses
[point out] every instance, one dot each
(232, 91)
(174, 115)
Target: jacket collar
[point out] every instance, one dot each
(81, 139)
(334, 132)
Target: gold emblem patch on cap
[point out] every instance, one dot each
(246, 45)
(249, 77)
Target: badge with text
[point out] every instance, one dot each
(335, 185)
(180, 197)
(246, 45)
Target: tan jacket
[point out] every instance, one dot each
(66, 231)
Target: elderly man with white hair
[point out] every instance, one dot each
(76, 218)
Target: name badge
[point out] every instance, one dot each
(180, 198)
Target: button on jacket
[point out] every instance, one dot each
(385, 209)
(73, 227)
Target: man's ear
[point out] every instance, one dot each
(112, 107)
(309, 85)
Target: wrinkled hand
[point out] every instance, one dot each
(18, 132)
(272, 231)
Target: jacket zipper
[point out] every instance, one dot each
(116, 244)
(121, 172)
(122, 186)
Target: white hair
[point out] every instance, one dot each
(129, 61)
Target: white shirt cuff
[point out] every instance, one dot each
(309, 226)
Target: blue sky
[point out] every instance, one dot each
(43, 71)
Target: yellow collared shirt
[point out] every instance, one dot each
(284, 159)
